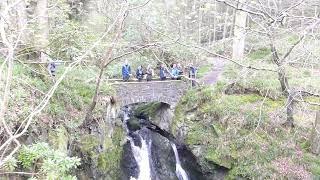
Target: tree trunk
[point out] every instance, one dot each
(215, 22)
(43, 29)
(239, 33)
(283, 79)
(225, 27)
(284, 84)
(290, 106)
(315, 137)
(199, 25)
(22, 20)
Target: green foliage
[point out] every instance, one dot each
(199, 134)
(222, 158)
(109, 159)
(53, 164)
(234, 131)
(59, 138)
(314, 162)
(259, 54)
(70, 40)
(89, 143)
(261, 81)
(195, 97)
(229, 105)
(203, 70)
(11, 164)
(293, 39)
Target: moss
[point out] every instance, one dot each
(109, 160)
(198, 134)
(118, 136)
(56, 108)
(88, 144)
(236, 132)
(149, 109)
(218, 158)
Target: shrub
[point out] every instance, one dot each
(52, 164)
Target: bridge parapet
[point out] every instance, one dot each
(169, 92)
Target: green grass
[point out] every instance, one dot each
(259, 54)
(68, 102)
(203, 70)
(234, 133)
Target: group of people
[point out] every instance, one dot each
(176, 72)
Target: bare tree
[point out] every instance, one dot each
(270, 18)
(107, 57)
(43, 29)
(239, 32)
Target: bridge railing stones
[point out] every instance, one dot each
(169, 92)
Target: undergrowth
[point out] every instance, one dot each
(240, 132)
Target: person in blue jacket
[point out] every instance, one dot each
(174, 72)
(126, 71)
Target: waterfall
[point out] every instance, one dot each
(141, 154)
(180, 172)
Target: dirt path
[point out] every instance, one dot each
(212, 77)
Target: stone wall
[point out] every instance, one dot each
(168, 92)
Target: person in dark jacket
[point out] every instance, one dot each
(163, 72)
(139, 73)
(180, 69)
(126, 71)
(52, 68)
(192, 74)
(149, 73)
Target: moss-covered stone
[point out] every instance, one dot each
(220, 159)
(149, 109)
(109, 160)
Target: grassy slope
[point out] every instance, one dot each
(243, 132)
(238, 132)
(64, 113)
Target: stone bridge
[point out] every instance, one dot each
(169, 92)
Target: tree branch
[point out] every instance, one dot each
(215, 54)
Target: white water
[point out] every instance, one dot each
(141, 154)
(180, 172)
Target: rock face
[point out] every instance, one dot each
(161, 158)
(161, 155)
(100, 151)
